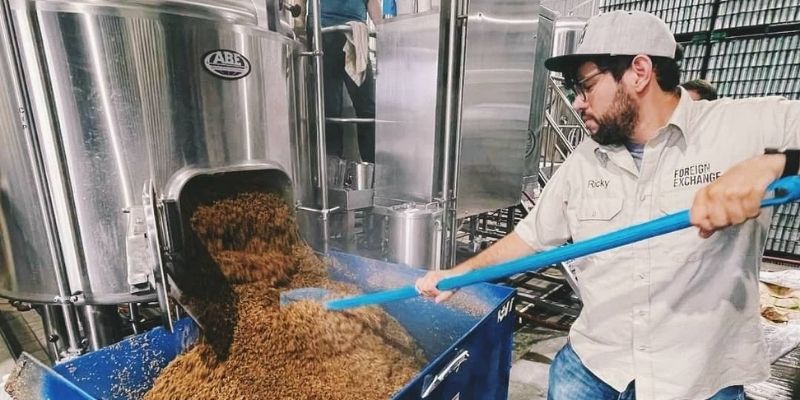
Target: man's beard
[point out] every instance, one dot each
(616, 127)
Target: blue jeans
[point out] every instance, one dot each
(571, 380)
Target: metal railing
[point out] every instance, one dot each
(343, 28)
(562, 132)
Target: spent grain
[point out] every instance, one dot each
(254, 348)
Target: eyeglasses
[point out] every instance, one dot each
(577, 87)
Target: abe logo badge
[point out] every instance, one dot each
(226, 64)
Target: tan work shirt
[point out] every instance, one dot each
(677, 313)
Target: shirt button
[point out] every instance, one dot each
(642, 197)
(643, 348)
(642, 276)
(642, 313)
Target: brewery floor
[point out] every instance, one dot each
(534, 349)
(20, 331)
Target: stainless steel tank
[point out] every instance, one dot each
(101, 99)
(567, 35)
(32, 266)
(28, 257)
(410, 233)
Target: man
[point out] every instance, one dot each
(676, 316)
(700, 89)
(362, 94)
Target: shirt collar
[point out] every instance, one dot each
(680, 117)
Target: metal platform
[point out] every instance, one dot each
(545, 299)
(784, 380)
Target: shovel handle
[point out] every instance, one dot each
(785, 191)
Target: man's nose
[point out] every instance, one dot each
(579, 104)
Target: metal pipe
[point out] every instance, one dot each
(53, 324)
(437, 257)
(448, 128)
(101, 325)
(351, 120)
(319, 103)
(134, 316)
(473, 229)
(457, 137)
(64, 297)
(343, 28)
(510, 220)
(74, 347)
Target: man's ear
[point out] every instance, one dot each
(643, 72)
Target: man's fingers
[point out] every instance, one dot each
(699, 213)
(426, 286)
(713, 210)
(741, 205)
(736, 213)
(443, 296)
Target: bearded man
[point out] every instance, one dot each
(677, 316)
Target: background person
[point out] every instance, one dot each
(700, 89)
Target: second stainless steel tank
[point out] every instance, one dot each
(567, 35)
(410, 233)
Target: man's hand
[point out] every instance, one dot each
(507, 248)
(736, 196)
(427, 284)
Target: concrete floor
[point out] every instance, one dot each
(28, 335)
(534, 349)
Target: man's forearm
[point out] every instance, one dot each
(776, 162)
(507, 248)
(374, 11)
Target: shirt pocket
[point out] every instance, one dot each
(683, 245)
(596, 215)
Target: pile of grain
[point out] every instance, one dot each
(262, 350)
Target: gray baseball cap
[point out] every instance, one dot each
(619, 33)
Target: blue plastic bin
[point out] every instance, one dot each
(467, 340)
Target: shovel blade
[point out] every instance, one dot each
(310, 293)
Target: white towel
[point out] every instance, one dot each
(356, 51)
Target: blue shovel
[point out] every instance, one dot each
(785, 190)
